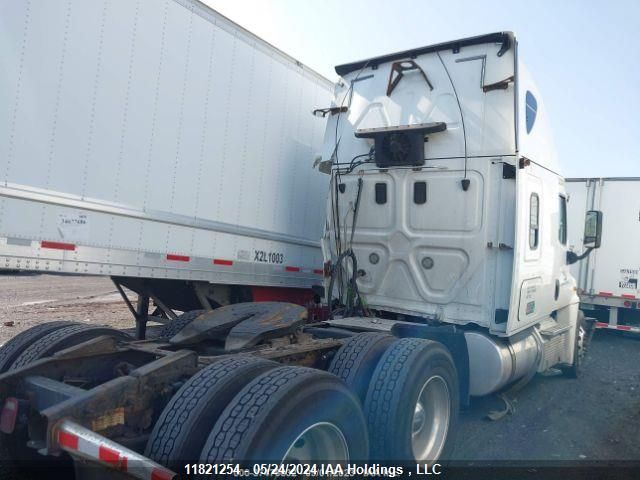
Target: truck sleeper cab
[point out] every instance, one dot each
(447, 194)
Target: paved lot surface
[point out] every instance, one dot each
(596, 417)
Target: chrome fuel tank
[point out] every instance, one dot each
(495, 362)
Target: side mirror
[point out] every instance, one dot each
(593, 229)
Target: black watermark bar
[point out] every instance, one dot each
(458, 470)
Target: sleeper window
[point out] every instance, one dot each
(534, 221)
(562, 221)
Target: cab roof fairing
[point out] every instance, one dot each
(507, 38)
(490, 117)
(535, 143)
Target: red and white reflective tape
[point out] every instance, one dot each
(624, 328)
(177, 258)
(80, 441)
(57, 245)
(223, 262)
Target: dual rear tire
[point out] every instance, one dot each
(17, 461)
(409, 391)
(260, 412)
(383, 398)
(412, 402)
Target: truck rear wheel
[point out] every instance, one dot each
(290, 415)
(178, 323)
(17, 461)
(62, 338)
(412, 402)
(11, 350)
(358, 357)
(36, 344)
(182, 429)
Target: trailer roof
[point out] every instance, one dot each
(207, 12)
(499, 37)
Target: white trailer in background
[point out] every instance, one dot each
(160, 144)
(608, 278)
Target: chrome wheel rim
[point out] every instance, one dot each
(430, 421)
(322, 442)
(581, 340)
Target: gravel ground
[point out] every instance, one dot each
(30, 299)
(596, 417)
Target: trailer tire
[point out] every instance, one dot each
(174, 326)
(287, 414)
(358, 357)
(184, 425)
(63, 338)
(579, 349)
(11, 350)
(414, 386)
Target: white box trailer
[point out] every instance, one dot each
(608, 278)
(158, 141)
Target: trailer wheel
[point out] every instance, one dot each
(181, 321)
(290, 415)
(63, 338)
(182, 429)
(14, 347)
(579, 349)
(412, 402)
(358, 357)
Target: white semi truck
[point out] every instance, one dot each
(445, 269)
(608, 280)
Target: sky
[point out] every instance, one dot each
(582, 54)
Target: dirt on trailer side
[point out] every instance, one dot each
(29, 299)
